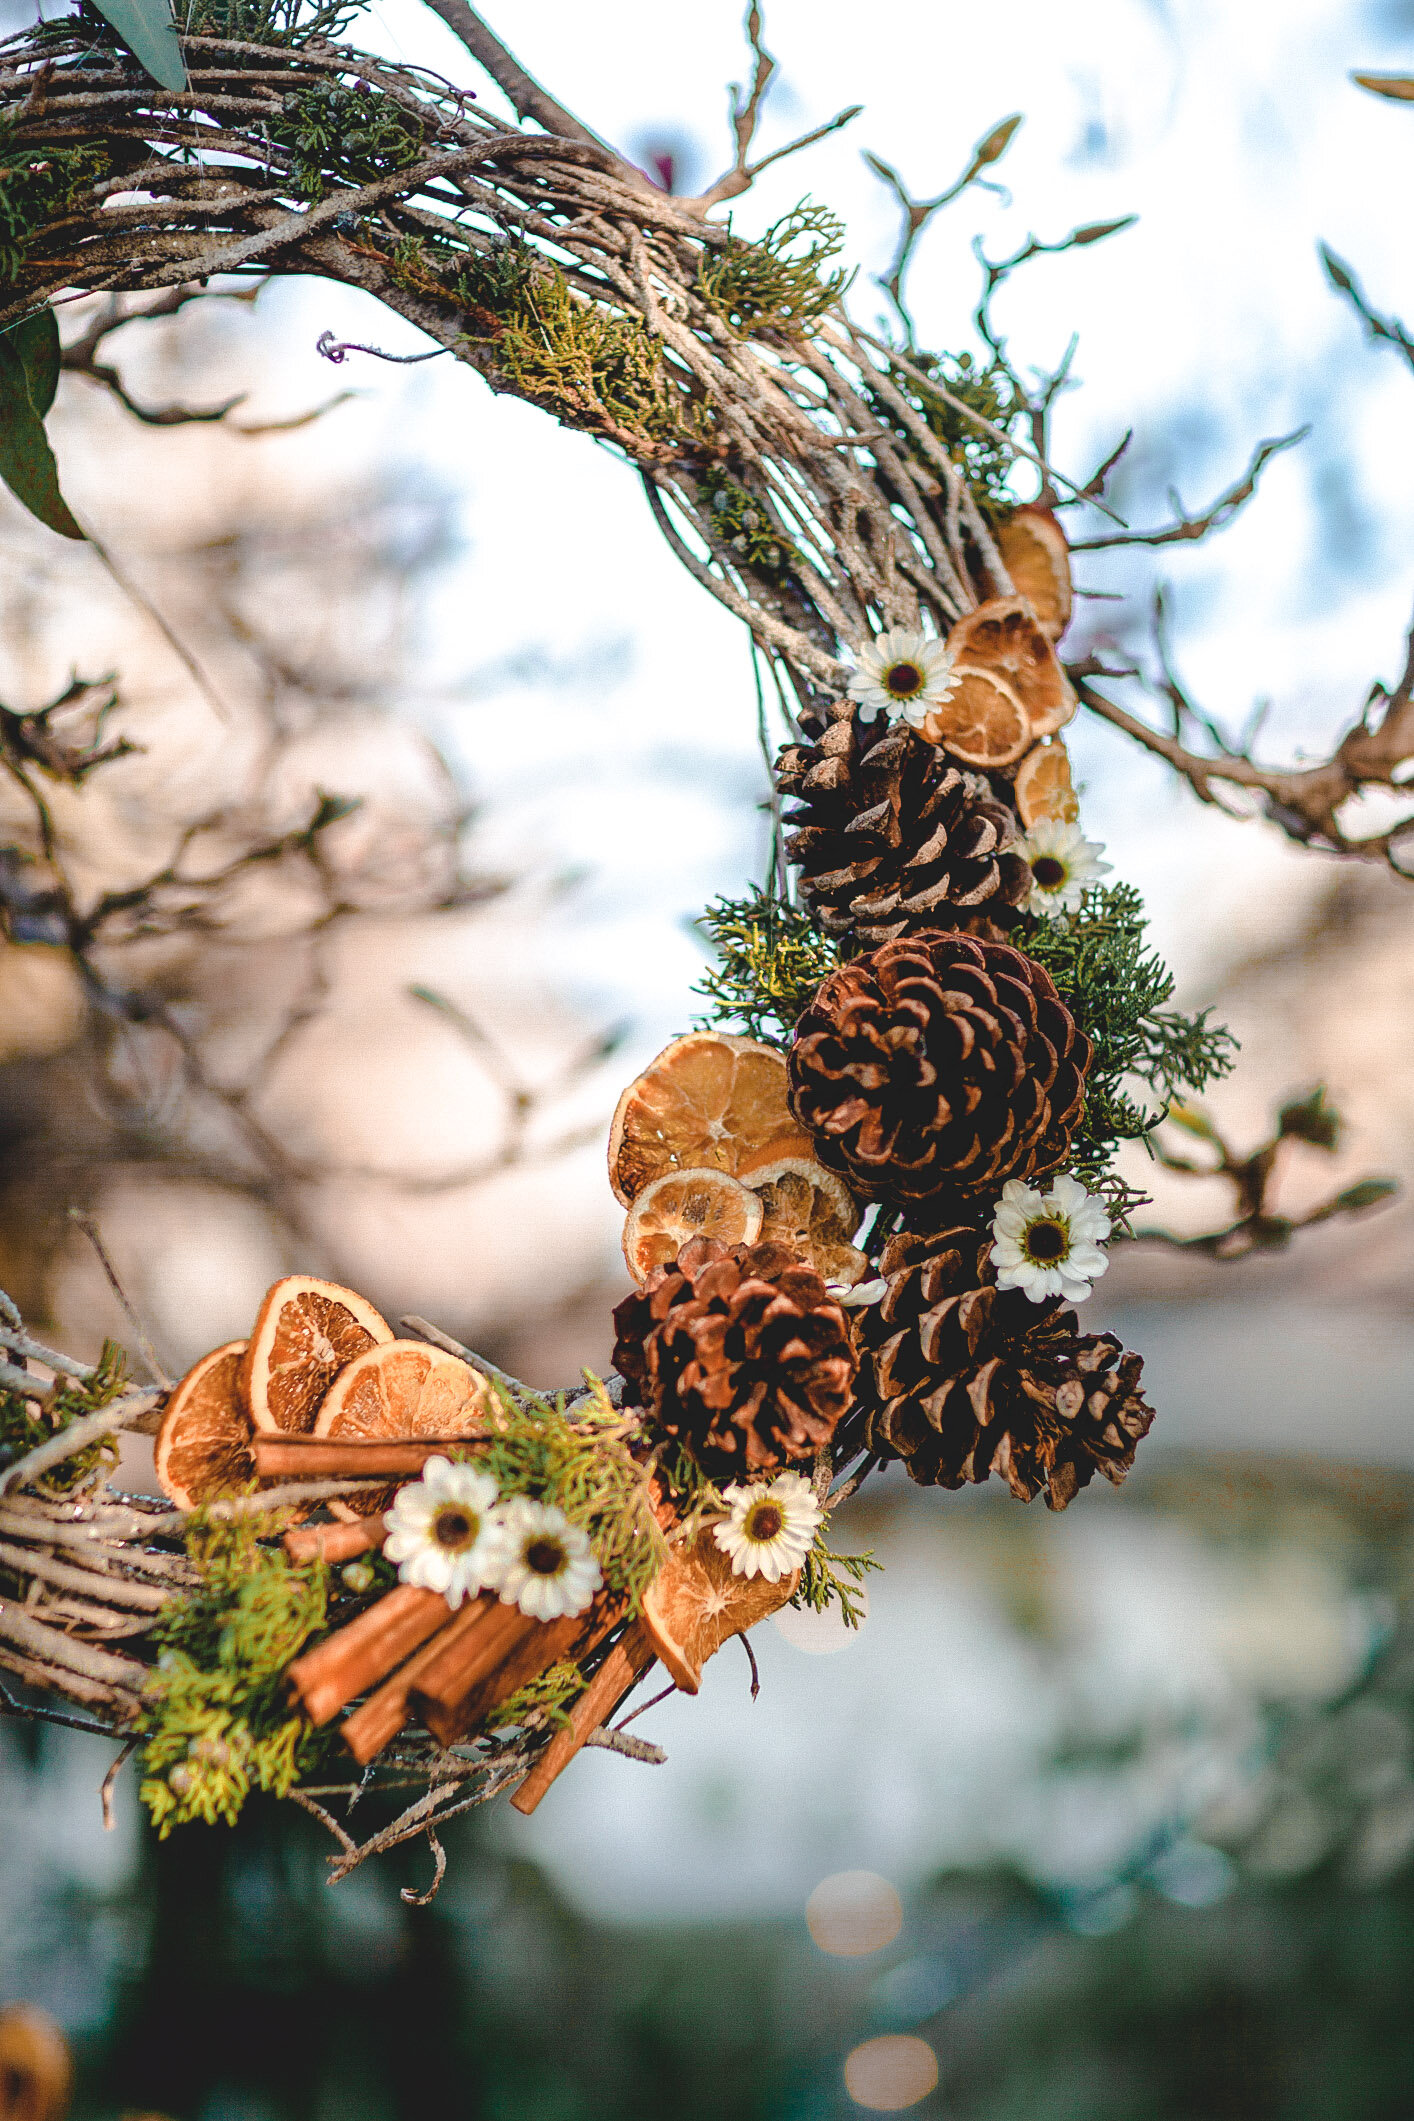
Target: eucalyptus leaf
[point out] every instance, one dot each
(147, 29)
(1398, 86)
(29, 374)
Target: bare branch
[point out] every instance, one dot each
(918, 213)
(528, 99)
(1377, 327)
(1186, 528)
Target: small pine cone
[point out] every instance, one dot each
(891, 836)
(963, 1379)
(740, 1353)
(938, 1066)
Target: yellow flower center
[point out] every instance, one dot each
(1046, 1242)
(764, 1522)
(903, 681)
(455, 1529)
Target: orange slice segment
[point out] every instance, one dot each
(304, 1334)
(709, 1102)
(684, 1204)
(1003, 637)
(202, 1448)
(1045, 792)
(405, 1388)
(1036, 556)
(812, 1211)
(695, 1604)
(982, 722)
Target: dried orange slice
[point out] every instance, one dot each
(202, 1448)
(1045, 793)
(1003, 638)
(405, 1388)
(981, 722)
(684, 1204)
(695, 1604)
(1037, 558)
(709, 1102)
(812, 1211)
(304, 1333)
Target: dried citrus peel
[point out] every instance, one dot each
(685, 1204)
(709, 1101)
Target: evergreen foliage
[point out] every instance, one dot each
(215, 1711)
(1115, 988)
(984, 460)
(336, 134)
(38, 189)
(779, 282)
(772, 958)
(744, 523)
(21, 1430)
(579, 1459)
(827, 1579)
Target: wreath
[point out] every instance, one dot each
(866, 1192)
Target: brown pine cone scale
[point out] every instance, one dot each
(964, 1379)
(891, 836)
(938, 1066)
(740, 1353)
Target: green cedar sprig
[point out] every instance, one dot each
(216, 1715)
(37, 189)
(985, 461)
(21, 1430)
(338, 134)
(1115, 987)
(827, 1579)
(771, 959)
(779, 282)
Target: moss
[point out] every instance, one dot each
(743, 522)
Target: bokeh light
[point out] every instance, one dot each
(890, 2073)
(820, 1634)
(852, 1913)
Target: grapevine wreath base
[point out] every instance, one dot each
(863, 1198)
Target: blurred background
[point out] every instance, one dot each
(436, 755)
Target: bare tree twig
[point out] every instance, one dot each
(1186, 528)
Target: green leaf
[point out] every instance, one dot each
(1398, 86)
(146, 28)
(1365, 1194)
(29, 370)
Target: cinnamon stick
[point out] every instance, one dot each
(383, 1715)
(326, 1679)
(346, 1458)
(461, 1691)
(624, 1666)
(335, 1542)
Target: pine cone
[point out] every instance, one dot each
(938, 1065)
(740, 1354)
(891, 836)
(964, 1379)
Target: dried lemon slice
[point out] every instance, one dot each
(1003, 638)
(684, 1204)
(1036, 556)
(981, 722)
(305, 1332)
(812, 1211)
(709, 1102)
(1045, 793)
(695, 1604)
(202, 1448)
(405, 1388)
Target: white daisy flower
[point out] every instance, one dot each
(550, 1568)
(903, 675)
(770, 1530)
(1064, 864)
(444, 1531)
(1048, 1244)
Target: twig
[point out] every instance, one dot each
(1185, 528)
(1388, 329)
(88, 1429)
(82, 1220)
(439, 1872)
(40, 1712)
(426, 1331)
(614, 1739)
(751, 1660)
(109, 1783)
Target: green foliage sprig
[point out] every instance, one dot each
(742, 521)
(336, 134)
(289, 22)
(1115, 986)
(778, 283)
(215, 1710)
(38, 189)
(21, 1430)
(984, 460)
(547, 1698)
(828, 1579)
(590, 365)
(579, 1458)
(772, 958)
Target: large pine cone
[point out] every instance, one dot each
(739, 1353)
(938, 1065)
(964, 1379)
(891, 836)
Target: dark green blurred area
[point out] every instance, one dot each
(1261, 1969)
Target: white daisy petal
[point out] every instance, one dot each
(550, 1571)
(771, 1526)
(444, 1531)
(1049, 1244)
